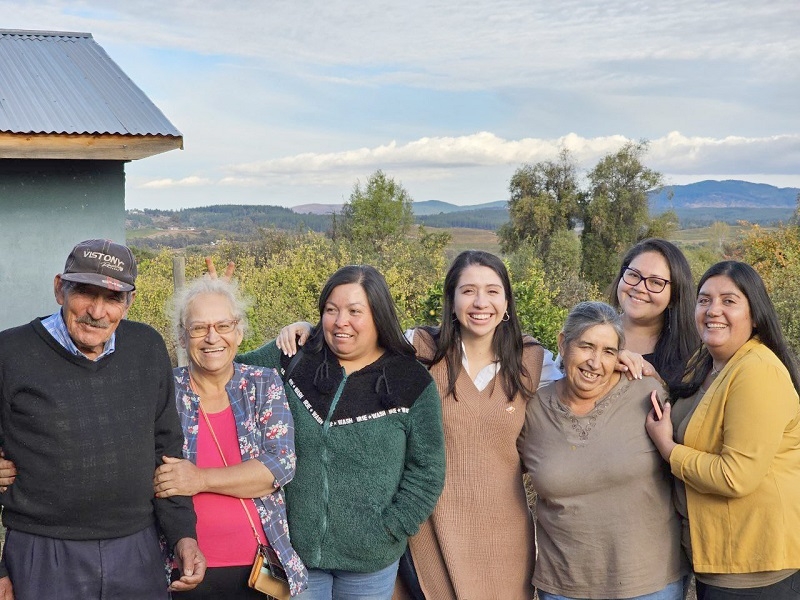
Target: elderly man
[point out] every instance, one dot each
(87, 411)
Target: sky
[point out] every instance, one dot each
(289, 103)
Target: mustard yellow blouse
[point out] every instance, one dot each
(741, 465)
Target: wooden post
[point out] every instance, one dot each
(179, 280)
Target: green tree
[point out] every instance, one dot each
(617, 213)
(558, 273)
(776, 257)
(376, 214)
(545, 198)
(700, 257)
(663, 225)
(538, 314)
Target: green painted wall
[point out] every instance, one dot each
(46, 207)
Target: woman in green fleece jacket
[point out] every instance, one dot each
(369, 440)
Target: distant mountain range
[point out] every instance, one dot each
(724, 194)
(696, 204)
(702, 203)
(728, 194)
(423, 208)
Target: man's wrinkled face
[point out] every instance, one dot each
(91, 313)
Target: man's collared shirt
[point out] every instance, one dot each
(55, 326)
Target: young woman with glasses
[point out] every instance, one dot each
(655, 294)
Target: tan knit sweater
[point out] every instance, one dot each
(478, 544)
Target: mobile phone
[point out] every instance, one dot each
(658, 407)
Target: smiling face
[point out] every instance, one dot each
(479, 302)
(348, 326)
(636, 301)
(722, 315)
(589, 362)
(91, 314)
(212, 353)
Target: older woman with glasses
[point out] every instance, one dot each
(239, 448)
(654, 291)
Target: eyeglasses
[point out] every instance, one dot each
(632, 277)
(198, 330)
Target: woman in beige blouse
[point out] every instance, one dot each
(606, 527)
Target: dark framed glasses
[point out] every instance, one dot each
(198, 330)
(632, 277)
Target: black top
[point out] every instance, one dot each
(86, 436)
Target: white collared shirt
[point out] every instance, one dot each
(55, 326)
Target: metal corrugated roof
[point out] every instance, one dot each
(62, 82)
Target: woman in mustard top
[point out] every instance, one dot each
(736, 446)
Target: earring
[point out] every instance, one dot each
(506, 317)
(455, 318)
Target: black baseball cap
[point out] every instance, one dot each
(102, 263)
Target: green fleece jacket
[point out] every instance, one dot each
(370, 456)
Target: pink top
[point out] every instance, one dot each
(223, 531)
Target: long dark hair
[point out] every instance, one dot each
(384, 315)
(765, 325)
(507, 343)
(678, 339)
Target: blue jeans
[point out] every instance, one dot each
(326, 584)
(673, 591)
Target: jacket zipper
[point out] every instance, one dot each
(324, 456)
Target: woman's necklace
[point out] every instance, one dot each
(715, 369)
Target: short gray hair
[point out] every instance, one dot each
(588, 314)
(205, 285)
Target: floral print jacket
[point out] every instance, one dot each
(266, 433)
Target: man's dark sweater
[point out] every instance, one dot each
(86, 436)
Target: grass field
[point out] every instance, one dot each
(472, 239)
(700, 235)
(144, 232)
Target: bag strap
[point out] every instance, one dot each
(293, 363)
(224, 462)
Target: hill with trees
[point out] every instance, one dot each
(695, 205)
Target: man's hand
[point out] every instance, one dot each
(177, 477)
(6, 589)
(191, 563)
(8, 472)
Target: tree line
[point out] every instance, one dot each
(554, 262)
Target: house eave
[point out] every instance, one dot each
(96, 146)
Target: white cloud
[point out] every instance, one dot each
(674, 153)
(191, 181)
